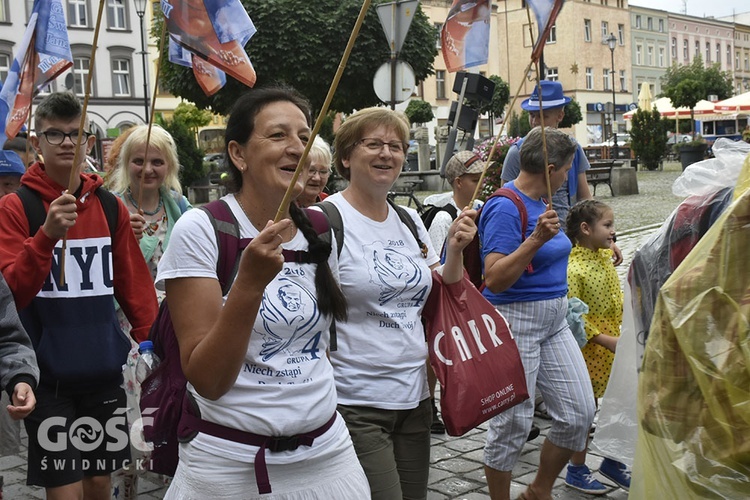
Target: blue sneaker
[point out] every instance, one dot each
(616, 472)
(582, 479)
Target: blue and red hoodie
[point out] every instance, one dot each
(73, 326)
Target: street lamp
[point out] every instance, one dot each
(612, 42)
(140, 9)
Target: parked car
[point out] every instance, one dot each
(622, 139)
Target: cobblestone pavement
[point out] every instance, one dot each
(456, 470)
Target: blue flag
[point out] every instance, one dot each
(465, 38)
(43, 54)
(546, 12)
(212, 35)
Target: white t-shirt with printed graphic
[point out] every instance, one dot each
(286, 384)
(381, 356)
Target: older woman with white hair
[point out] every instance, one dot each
(317, 173)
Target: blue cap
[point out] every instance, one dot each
(146, 345)
(552, 96)
(11, 163)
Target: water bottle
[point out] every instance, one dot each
(147, 361)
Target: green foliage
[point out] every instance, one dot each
(648, 137)
(188, 153)
(419, 111)
(519, 125)
(500, 98)
(687, 84)
(301, 43)
(192, 117)
(572, 116)
(493, 179)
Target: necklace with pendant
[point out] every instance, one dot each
(145, 212)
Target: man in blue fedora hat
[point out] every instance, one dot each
(11, 170)
(575, 188)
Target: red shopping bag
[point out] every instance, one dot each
(473, 354)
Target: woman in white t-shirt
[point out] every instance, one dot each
(380, 363)
(255, 359)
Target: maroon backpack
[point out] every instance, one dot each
(164, 392)
(473, 253)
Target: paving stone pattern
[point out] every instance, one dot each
(456, 469)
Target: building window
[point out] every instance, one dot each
(718, 52)
(638, 22)
(729, 56)
(674, 48)
(589, 78)
(552, 74)
(4, 12)
(552, 38)
(4, 66)
(116, 14)
(605, 29)
(78, 16)
(708, 52)
(697, 49)
(737, 60)
(685, 54)
(605, 78)
(661, 25)
(587, 30)
(623, 81)
(747, 62)
(80, 74)
(650, 55)
(121, 77)
(440, 83)
(639, 54)
(621, 34)
(650, 22)
(438, 39)
(662, 62)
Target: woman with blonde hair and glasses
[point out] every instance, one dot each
(385, 273)
(317, 174)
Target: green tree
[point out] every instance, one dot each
(519, 125)
(192, 117)
(188, 153)
(419, 111)
(572, 114)
(300, 43)
(648, 137)
(687, 84)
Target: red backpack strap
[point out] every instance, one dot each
(227, 231)
(522, 212)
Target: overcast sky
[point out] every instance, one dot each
(699, 8)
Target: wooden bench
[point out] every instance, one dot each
(600, 173)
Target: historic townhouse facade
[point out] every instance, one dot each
(116, 98)
(650, 50)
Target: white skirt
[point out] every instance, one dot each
(334, 476)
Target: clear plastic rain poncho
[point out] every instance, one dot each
(689, 339)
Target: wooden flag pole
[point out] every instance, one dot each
(319, 122)
(74, 171)
(497, 139)
(502, 127)
(151, 117)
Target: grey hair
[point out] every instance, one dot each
(560, 150)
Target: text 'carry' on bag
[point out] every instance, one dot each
(473, 354)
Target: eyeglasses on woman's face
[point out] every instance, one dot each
(376, 145)
(322, 172)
